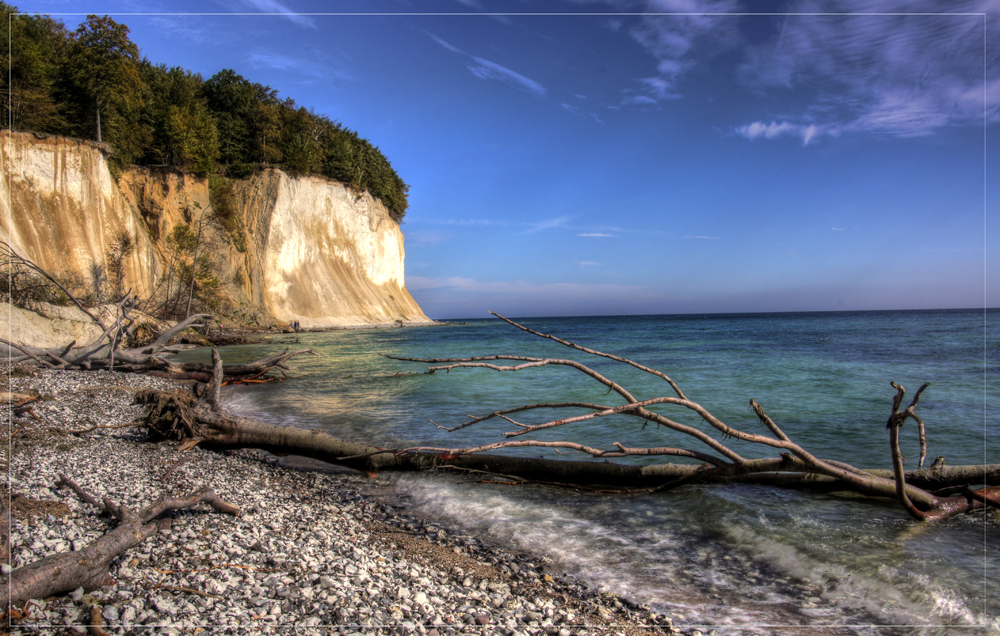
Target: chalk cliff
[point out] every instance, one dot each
(304, 248)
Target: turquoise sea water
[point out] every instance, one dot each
(741, 559)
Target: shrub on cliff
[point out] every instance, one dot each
(190, 269)
(224, 212)
(21, 287)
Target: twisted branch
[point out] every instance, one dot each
(794, 458)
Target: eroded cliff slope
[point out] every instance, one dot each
(306, 249)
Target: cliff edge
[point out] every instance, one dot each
(304, 249)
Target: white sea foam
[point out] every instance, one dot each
(747, 574)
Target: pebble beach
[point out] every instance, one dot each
(312, 551)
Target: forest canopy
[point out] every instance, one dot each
(92, 83)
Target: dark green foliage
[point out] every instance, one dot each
(184, 133)
(38, 45)
(91, 83)
(354, 161)
(103, 65)
(231, 100)
(240, 170)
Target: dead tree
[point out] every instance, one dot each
(106, 352)
(88, 568)
(203, 420)
(15, 260)
(719, 460)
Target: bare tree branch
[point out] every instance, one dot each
(920, 503)
(88, 568)
(573, 345)
(16, 259)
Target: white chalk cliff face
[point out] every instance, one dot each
(62, 207)
(332, 256)
(316, 251)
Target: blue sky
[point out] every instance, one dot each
(600, 159)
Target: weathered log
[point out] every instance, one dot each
(257, 367)
(105, 352)
(179, 414)
(726, 462)
(203, 420)
(88, 568)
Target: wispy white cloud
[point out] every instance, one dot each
(450, 47)
(671, 39)
(597, 234)
(464, 297)
(485, 69)
(191, 30)
(548, 224)
(589, 264)
(639, 100)
(903, 75)
(581, 112)
(806, 132)
(520, 287)
(478, 6)
(424, 238)
(416, 283)
(466, 222)
(313, 66)
(272, 6)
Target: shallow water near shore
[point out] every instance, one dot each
(731, 557)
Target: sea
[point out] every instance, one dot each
(739, 559)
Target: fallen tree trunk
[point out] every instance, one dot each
(107, 352)
(204, 421)
(181, 415)
(88, 568)
(149, 358)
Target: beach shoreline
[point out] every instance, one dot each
(310, 549)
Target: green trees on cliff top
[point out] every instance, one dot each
(92, 83)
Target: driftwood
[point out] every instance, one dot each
(107, 352)
(722, 461)
(203, 420)
(88, 568)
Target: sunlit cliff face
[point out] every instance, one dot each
(332, 256)
(62, 208)
(315, 251)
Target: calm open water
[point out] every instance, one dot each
(741, 559)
